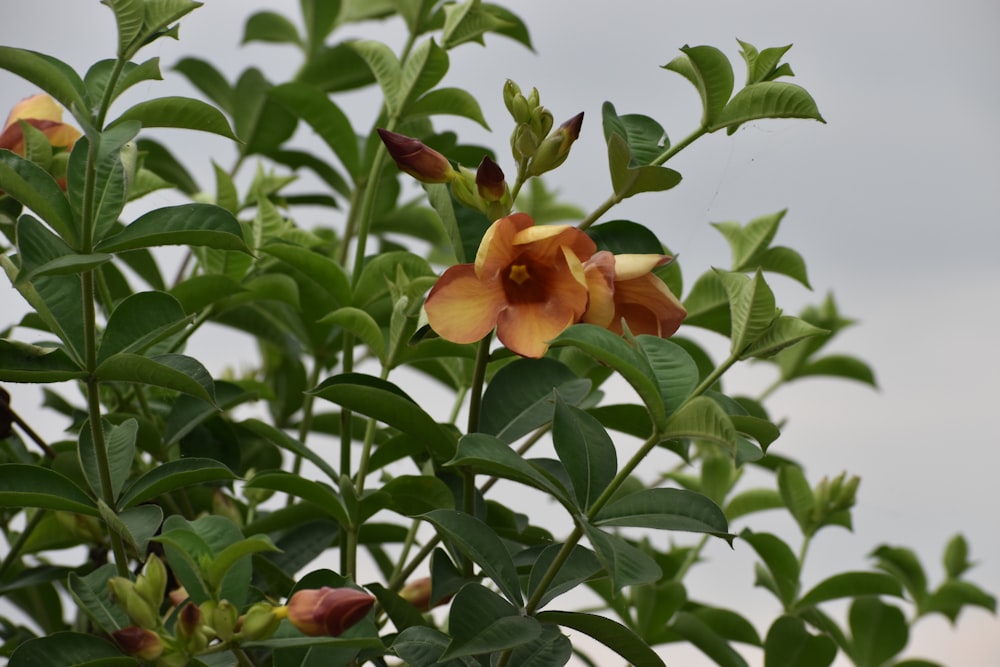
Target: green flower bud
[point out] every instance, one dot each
(847, 496)
(261, 620)
(533, 98)
(521, 109)
(542, 121)
(152, 583)
(465, 190)
(510, 91)
(223, 618)
(523, 142)
(138, 609)
(189, 630)
(555, 149)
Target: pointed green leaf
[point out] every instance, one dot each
(325, 118)
(879, 630)
(204, 76)
(385, 66)
(767, 99)
(666, 509)
(519, 398)
(42, 253)
(179, 112)
(700, 634)
(387, 403)
(266, 26)
(626, 564)
(903, 564)
(612, 350)
(93, 596)
(281, 439)
(411, 495)
(139, 321)
(120, 446)
(69, 648)
(362, 325)
(789, 644)
(170, 371)
(781, 563)
(109, 186)
(21, 362)
(751, 305)
(952, 595)
(141, 524)
(51, 75)
(424, 68)
(796, 493)
(612, 634)
(24, 485)
(468, 22)
(851, 584)
(315, 492)
(709, 71)
(627, 180)
(450, 102)
(480, 544)
(787, 262)
(37, 190)
(187, 224)
(321, 270)
(707, 304)
(233, 553)
(439, 197)
(491, 456)
(174, 475)
(702, 418)
(838, 365)
(579, 566)
(784, 332)
(586, 451)
(482, 622)
(675, 371)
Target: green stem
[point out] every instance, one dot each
(599, 211)
(15, 549)
(398, 579)
(307, 413)
(554, 567)
(408, 542)
(478, 380)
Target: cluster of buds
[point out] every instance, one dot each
(533, 142)
(833, 496)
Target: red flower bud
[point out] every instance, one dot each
(328, 611)
(418, 593)
(419, 161)
(143, 644)
(490, 181)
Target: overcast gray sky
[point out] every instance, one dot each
(894, 204)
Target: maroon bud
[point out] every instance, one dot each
(419, 161)
(328, 611)
(490, 181)
(140, 642)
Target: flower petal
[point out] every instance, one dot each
(526, 328)
(544, 241)
(38, 107)
(496, 250)
(630, 266)
(461, 307)
(599, 271)
(648, 306)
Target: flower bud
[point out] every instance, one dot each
(260, 621)
(419, 161)
(465, 190)
(189, 629)
(554, 150)
(138, 609)
(222, 617)
(177, 596)
(328, 611)
(523, 141)
(521, 111)
(510, 92)
(418, 593)
(533, 98)
(490, 181)
(139, 642)
(542, 121)
(152, 583)
(846, 497)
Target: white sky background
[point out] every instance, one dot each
(894, 204)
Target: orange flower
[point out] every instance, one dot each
(527, 281)
(328, 611)
(623, 286)
(42, 112)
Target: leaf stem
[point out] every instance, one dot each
(15, 549)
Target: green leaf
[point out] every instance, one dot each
(782, 574)
(789, 644)
(402, 614)
(702, 418)
(412, 495)
(325, 118)
(362, 325)
(707, 304)
(612, 350)
(179, 112)
(37, 190)
(784, 332)
(763, 65)
(748, 243)
(382, 269)
(787, 262)
(321, 270)
(424, 68)
(448, 101)
(797, 494)
(666, 509)
(21, 362)
(903, 564)
(468, 22)
(952, 595)
(675, 371)
(751, 305)
(579, 566)
(24, 485)
(43, 253)
(586, 451)
(956, 557)
(879, 631)
(761, 430)
(174, 475)
(140, 321)
(626, 564)
(482, 622)
(480, 544)
(190, 545)
(170, 371)
(281, 439)
(492, 456)
(610, 633)
(767, 99)
(838, 365)
(128, 20)
(751, 501)
(69, 648)
(387, 403)
(141, 524)
(645, 137)
(271, 27)
(851, 584)
(385, 66)
(699, 633)
(159, 161)
(419, 646)
(709, 71)
(110, 184)
(520, 399)
(225, 559)
(627, 180)
(92, 596)
(120, 446)
(204, 76)
(51, 75)
(439, 197)
(187, 224)
(315, 492)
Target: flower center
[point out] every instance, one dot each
(519, 273)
